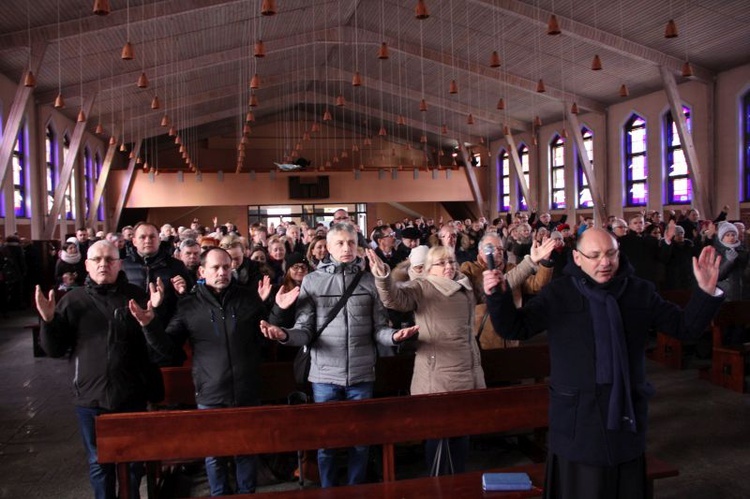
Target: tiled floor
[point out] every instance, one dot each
(702, 429)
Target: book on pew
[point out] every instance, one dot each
(506, 481)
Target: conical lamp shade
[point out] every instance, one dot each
(143, 81)
(537, 121)
(596, 63)
(574, 108)
(444, 129)
(315, 127)
(253, 101)
(356, 79)
(128, 53)
(101, 7)
(671, 30)
(112, 141)
(327, 115)
(123, 147)
(155, 104)
(246, 130)
(164, 121)
(423, 105)
(29, 80)
(382, 132)
(255, 82)
(172, 131)
(260, 49)
(624, 92)
(470, 119)
(367, 141)
(250, 117)
(453, 88)
(506, 130)
(420, 11)
(540, 86)
(494, 59)
(501, 104)
(423, 139)
(687, 70)
(59, 102)
(81, 116)
(383, 51)
(401, 120)
(340, 101)
(99, 129)
(268, 8)
(553, 28)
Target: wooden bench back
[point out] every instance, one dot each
(392, 374)
(193, 434)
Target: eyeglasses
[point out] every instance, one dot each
(619, 227)
(610, 255)
(444, 263)
(299, 267)
(105, 259)
(341, 219)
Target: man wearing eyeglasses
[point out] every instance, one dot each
(597, 319)
(105, 326)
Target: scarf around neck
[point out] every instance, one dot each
(612, 366)
(68, 258)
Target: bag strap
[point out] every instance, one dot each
(339, 305)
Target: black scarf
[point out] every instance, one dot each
(612, 366)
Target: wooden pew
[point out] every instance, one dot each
(728, 362)
(392, 375)
(192, 434)
(669, 351)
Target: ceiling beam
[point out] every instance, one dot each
(596, 37)
(125, 191)
(600, 208)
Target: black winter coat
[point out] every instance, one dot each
(578, 405)
(224, 332)
(109, 354)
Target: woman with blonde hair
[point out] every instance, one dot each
(447, 355)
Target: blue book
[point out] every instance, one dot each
(506, 481)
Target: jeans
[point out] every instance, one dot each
(103, 476)
(357, 472)
(217, 470)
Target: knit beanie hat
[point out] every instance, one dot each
(725, 227)
(679, 230)
(418, 255)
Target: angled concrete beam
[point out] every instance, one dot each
(100, 184)
(125, 191)
(519, 168)
(600, 209)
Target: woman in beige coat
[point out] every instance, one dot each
(447, 354)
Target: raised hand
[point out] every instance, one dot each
(706, 269)
(285, 299)
(377, 267)
(491, 279)
(273, 332)
(144, 317)
(542, 251)
(405, 333)
(157, 292)
(45, 306)
(179, 284)
(264, 288)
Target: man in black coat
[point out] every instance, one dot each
(221, 320)
(107, 333)
(597, 318)
(148, 260)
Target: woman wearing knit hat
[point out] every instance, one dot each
(734, 258)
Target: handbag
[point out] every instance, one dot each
(303, 359)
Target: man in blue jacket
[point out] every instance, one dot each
(597, 317)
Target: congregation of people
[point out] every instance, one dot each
(440, 290)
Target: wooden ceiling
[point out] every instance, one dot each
(198, 57)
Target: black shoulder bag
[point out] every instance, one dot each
(302, 359)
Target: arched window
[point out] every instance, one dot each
(20, 170)
(584, 191)
(636, 165)
(523, 154)
(746, 144)
(50, 143)
(88, 179)
(557, 172)
(503, 181)
(98, 164)
(679, 185)
(70, 193)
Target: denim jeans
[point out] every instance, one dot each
(217, 470)
(357, 470)
(103, 476)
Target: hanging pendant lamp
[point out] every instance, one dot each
(423, 105)
(671, 30)
(383, 51)
(255, 82)
(356, 79)
(596, 63)
(164, 120)
(574, 108)
(268, 8)
(624, 92)
(29, 80)
(553, 28)
(340, 101)
(501, 104)
(59, 102)
(99, 129)
(537, 121)
(420, 11)
(540, 86)
(155, 104)
(453, 88)
(81, 116)
(494, 59)
(687, 70)
(101, 7)
(128, 53)
(260, 49)
(250, 117)
(142, 81)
